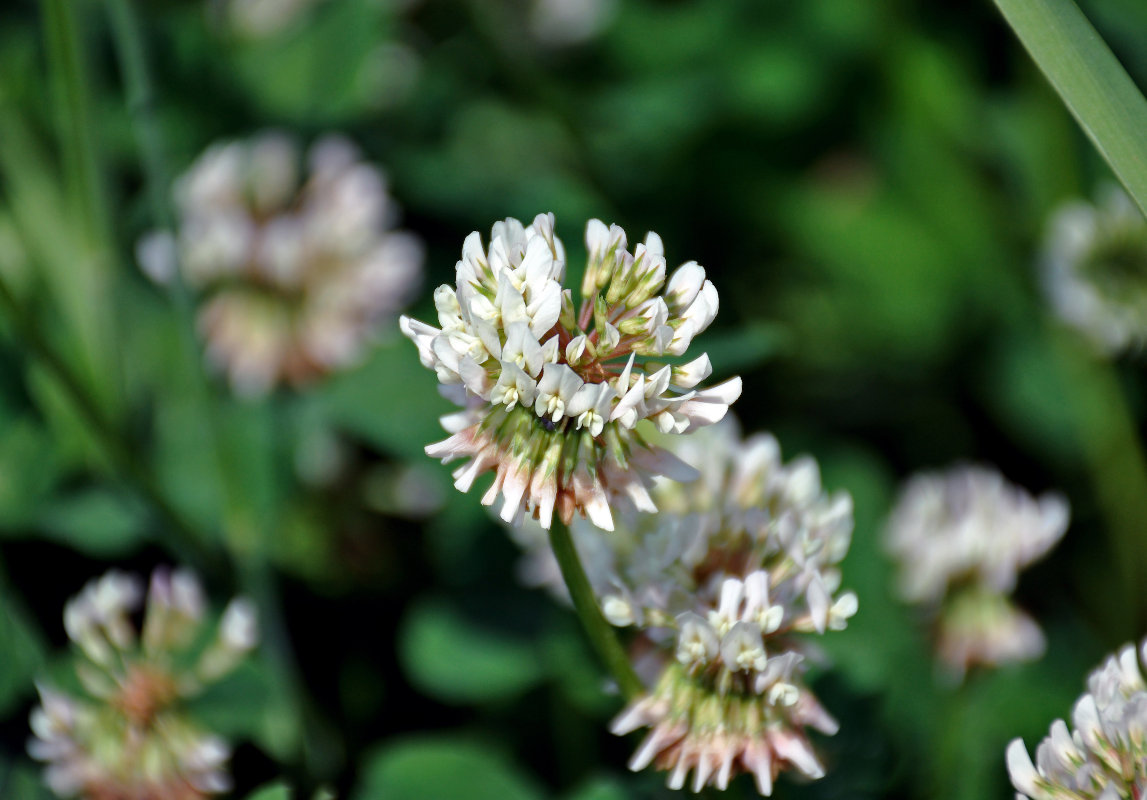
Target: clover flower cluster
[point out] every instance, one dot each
(1095, 270)
(295, 277)
(553, 392)
(718, 582)
(1105, 756)
(128, 735)
(961, 538)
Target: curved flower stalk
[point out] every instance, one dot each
(961, 538)
(719, 584)
(1104, 756)
(553, 392)
(295, 275)
(1095, 270)
(128, 735)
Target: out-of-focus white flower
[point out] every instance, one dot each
(563, 22)
(1105, 756)
(1095, 269)
(719, 583)
(129, 736)
(257, 19)
(295, 276)
(553, 393)
(961, 538)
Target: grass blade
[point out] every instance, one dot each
(1090, 80)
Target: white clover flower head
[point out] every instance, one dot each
(961, 538)
(129, 734)
(1095, 270)
(1104, 755)
(553, 393)
(722, 583)
(295, 276)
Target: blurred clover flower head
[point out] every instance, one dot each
(256, 19)
(128, 735)
(553, 393)
(961, 538)
(1095, 270)
(1105, 756)
(718, 583)
(568, 22)
(295, 276)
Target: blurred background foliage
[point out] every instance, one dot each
(867, 183)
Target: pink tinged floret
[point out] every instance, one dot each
(795, 749)
(757, 758)
(809, 711)
(663, 736)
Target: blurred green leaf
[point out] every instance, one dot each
(330, 68)
(872, 251)
(75, 271)
(391, 401)
(275, 791)
(442, 769)
(252, 703)
(458, 660)
(1024, 386)
(22, 782)
(599, 789)
(99, 522)
(21, 653)
(575, 670)
(746, 348)
(499, 160)
(29, 469)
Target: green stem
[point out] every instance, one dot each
(83, 288)
(1089, 80)
(187, 540)
(141, 103)
(601, 634)
(66, 60)
(1117, 467)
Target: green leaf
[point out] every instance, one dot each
(21, 782)
(599, 789)
(332, 67)
(458, 660)
(442, 769)
(736, 351)
(274, 791)
(97, 522)
(29, 467)
(21, 653)
(1090, 80)
(391, 401)
(252, 703)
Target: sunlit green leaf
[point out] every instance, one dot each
(460, 660)
(442, 769)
